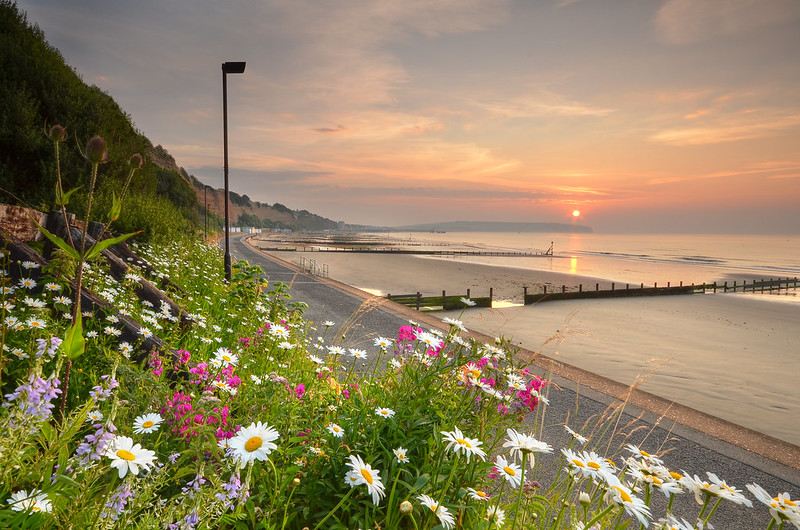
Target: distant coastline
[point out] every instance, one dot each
(491, 226)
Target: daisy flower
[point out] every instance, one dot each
(254, 442)
(458, 442)
(383, 343)
(316, 360)
(147, 423)
(335, 430)
(35, 501)
(146, 333)
(52, 286)
(580, 439)
(358, 354)
(477, 495)
(495, 515)
(361, 473)
(521, 444)
(588, 464)
(27, 283)
(125, 349)
(443, 514)
(94, 416)
(328, 323)
(336, 350)
(226, 357)
(782, 508)
(509, 470)
(127, 456)
(468, 302)
(35, 323)
(621, 495)
(639, 453)
(402, 455)
(729, 492)
(383, 412)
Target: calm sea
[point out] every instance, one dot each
(635, 258)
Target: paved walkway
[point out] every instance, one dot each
(696, 442)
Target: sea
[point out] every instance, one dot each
(633, 258)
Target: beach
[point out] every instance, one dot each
(733, 356)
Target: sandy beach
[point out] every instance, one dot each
(733, 356)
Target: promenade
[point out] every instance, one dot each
(693, 442)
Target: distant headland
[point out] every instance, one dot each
(492, 226)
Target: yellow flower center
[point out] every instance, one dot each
(676, 476)
(510, 471)
(787, 501)
(463, 442)
(481, 494)
(593, 465)
(147, 424)
(367, 476)
(475, 373)
(126, 455)
(36, 509)
(578, 463)
(252, 444)
(623, 494)
(644, 453)
(226, 358)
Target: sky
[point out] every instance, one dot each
(643, 115)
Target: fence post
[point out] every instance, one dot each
(545, 290)
(563, 288)
(597, 287)
(725, 287)
(524, 295)
(467, 293)
(580, 287)
(418, 299)
(491, 295)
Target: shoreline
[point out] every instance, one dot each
(715, 353)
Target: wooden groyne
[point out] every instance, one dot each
(444, 302)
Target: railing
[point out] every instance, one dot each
(313, 268)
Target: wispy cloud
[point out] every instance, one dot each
(745, 126)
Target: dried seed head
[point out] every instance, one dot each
(406, 507)
(96, 151)
(136, 161)
(57, 133)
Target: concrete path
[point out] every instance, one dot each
(694, 442)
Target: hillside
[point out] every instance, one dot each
(38, 89)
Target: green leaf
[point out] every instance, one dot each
(74, 344)
(60, 243)
(63, 199)
(116, 208)
(100, 246)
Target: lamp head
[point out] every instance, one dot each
(234, 67)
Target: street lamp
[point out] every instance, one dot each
(227, 68)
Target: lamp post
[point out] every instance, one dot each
(227, 68)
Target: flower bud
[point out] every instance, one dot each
(96, 151)
(406, 507)
(57, 133)
(136, 161)
(584, 498)
(296, 481)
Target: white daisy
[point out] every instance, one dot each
(525, 444)
(458, 442)
(335, 430)
(383, 412)
(147, 423)
(127, 456)
(361, 473)
(443, 514)
(477, 495)
(35, 501)
(496, 516)
(402, 455)
(509, 471)
(226, 357)
(254, 442)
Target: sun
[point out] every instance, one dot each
(576, 213)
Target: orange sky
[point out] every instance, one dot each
(668, 116)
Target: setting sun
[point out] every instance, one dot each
(576, 213)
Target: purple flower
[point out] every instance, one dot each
(34, 398)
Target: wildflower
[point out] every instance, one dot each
(94, 416)
(477, 495)
(50, 286)
(621, 495)
(335, 430)
(336, 350)
(446, 519)
(34, 398)
(575, 435)
(525, 444)
(35, 323)
(458, 442)
(358, 354)
(279, 332)
(454, 323)
(96, 151)
(496, 516)
(127, 456)
(35, 501)
(328, 324)
(402, 455)
(468, 302)
(316, 360)
(226, 357)
(125, 349)
(781, 508)
(729, 492)
(406, 507)
(27, 283)
(383, 343)
(147, 423)
(383, 412)
(361, 473)
(639, 453)
(108, 330)
(509, 471)
(588, 464)
(117, 502)
(254, 442)
(63, 300)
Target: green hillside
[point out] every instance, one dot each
(38, 90)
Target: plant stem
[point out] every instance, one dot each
(335, 508)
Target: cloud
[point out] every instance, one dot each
(543, 103)
(683, 22)
(744, 126)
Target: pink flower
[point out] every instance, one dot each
(184, 356)
(299, 390)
